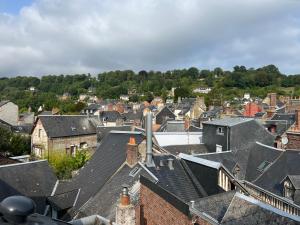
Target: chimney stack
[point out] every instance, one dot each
(149, 153)
(186, 123)
(125, 211)
(132, 152)
(273, 100)
(170, 164)
(297, 117)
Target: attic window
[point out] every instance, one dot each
(263, 166)
(220, 131)
(73, 128)
(289, 190)
(134, 172)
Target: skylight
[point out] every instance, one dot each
(263, 166)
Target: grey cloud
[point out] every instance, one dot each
(79, 36)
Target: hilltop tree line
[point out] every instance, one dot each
(146, 84)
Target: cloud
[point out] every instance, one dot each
(79, 36)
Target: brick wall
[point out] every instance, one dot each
(294, 140)
(155, 210)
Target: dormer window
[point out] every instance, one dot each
(289, 190)
(220, 131)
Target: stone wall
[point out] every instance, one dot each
(9, 113)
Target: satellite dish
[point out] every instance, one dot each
(285, 140)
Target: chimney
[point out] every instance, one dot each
(297, 117)
(132, 152)
(273, 100)
(170, 164)
(125, 212)
(149, 154)
(186, 123)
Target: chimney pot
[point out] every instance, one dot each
(132, 152)
(170, 164)
(125, 199)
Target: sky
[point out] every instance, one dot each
(40, 37)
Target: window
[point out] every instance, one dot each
(134, 172)
(263, 166)
(289, 190)
(40, 133)
(219, 148)
(220, 131)
(73, 150)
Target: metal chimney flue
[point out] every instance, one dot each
(149, 153)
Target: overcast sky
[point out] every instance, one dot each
(39, 37)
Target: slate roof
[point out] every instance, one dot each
(110, 116)
(6, 161)
(105, 201)
(64, 200)
(248, 159)
(187, 149)
(286, 164)
(107, 159)
(175, 181)
(215, 205)
(102, 131)
(35, 180)
(131, 116)
(248, 211)
(69, 125)
(295, 179)
(228, 122)
(193, 128)
(25, 129)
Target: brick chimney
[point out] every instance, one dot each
(132, 152)
(187, 123)
(125, 212)
(273, 100)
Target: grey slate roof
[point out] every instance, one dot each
(105, 201)
(215, 205)
(102, 131)
(295, 179)
(110, 116)
(107, 159)
(248, 160)
(248, 211)
(69, 125)
(34, 179)
(64, 200)
(286, 164)
(175, 181)
(228, 122)
(187, 149)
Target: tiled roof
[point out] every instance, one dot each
(68, 125)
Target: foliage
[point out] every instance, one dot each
(115, 83)
(63, 164)
(13, 144)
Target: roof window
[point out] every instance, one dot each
(263, 166)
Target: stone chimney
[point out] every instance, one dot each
(125, 212)
(132, 152)
(273, 100)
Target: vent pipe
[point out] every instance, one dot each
(149, 154)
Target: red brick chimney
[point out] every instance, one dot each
(132, 152)
(273, 100)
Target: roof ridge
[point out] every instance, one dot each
(23, 163)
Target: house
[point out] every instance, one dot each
(202, 90)
(96, 188)
(234, 133)
(9, 112)
(163, 115)
(66, 133)
(251, 109)
(111, 118)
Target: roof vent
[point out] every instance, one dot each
(170, 164)
(15, 209)
(161, 162)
